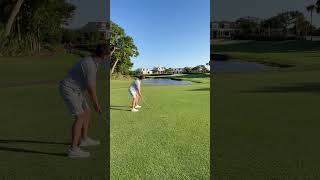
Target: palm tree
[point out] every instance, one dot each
(311, 9)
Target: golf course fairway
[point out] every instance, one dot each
(35, 122)
(267, 123)
(168, 138)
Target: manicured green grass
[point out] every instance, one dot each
(167, 139)
(267, 123)
(35, 124)
(196, 77)
(289, 52)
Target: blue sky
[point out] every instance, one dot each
(170, 33)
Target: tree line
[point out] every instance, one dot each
(29, 26)
(283, 26)
(186, 70)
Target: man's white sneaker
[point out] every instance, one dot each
(77, 153)
(88, 142)
(138, 106)
(134, 110)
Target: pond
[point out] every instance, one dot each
(165, 81)
(238, 66)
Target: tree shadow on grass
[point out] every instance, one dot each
(117, 106)
(22, 150)
(200, 89)
(294, 88)
(197, 75)
(32, 141)
(26, 84)
(125, 108)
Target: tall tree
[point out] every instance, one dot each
(124, 49)
(311, 9)
(248, 25)
(200, 69)
(168, 70)
(39, 22)
(12, 16)
(155, 70)
(187, 70)
(284, 21)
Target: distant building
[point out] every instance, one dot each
(177, 70)
(102, 27)
(145, 71)
(159, 70)
(155, 70)
(222, 30)
(227, 30)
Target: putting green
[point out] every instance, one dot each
(168, 138)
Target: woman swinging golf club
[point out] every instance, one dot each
(135, 91)
(79, 80)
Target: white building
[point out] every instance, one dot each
(145, 71)
(222, 30)
(159, 70)
(101, 27)
(177, 70)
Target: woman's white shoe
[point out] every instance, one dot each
(77, 153)
(134, 110)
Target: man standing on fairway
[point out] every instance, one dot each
(135, 91)
(79, 80)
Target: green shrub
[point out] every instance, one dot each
(119, 76)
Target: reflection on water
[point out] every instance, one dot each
(164, 81)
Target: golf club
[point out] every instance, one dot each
(149, 106)
(101, 117)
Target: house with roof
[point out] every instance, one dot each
(145, 71)
(177, 70)
(102, 27)
(223, 30)
(159, 70)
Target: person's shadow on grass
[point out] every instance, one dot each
(119, 108)
(22, 150)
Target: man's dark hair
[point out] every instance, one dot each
(101, 50)
(141, 77)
